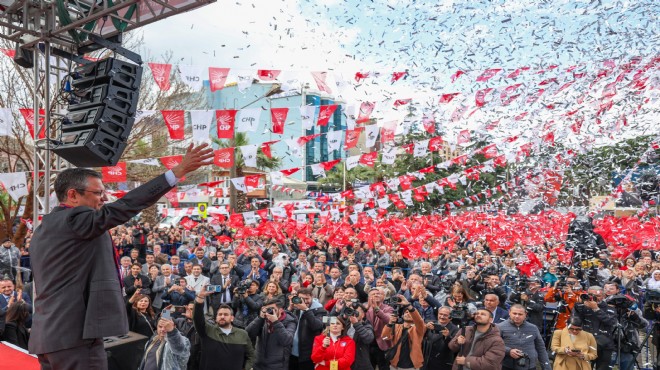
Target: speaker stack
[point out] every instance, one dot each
(124, 352)
(101, 113)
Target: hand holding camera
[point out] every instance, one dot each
(326, 342)
(516, 353)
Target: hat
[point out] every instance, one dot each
(5, 240)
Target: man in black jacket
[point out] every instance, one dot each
(187, 329)
(532, 299)
(363, 335)
(309, 314)
(437, 354)
(273, 329)
(227, 282)
(600, 320)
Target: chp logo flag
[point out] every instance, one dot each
(278, 117)
(224, 157)
(175, 120)
(161, 73)
(365, 112)
(115, 173)
(171, 161)
(225, 121)
(28, 115)
(217, 78)
(325, 113)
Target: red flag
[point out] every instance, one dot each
(369, 159)
(225, 123)
(359, 76)
(405, 182)
(305, 139)
(409, 148)
(348, 194)
(174, 119)
(435, 143)
(172, 198)
(480, 96)
(325, 113)
(319, 78)
(268, 74)
(489, 151)
(456, 75)
(488, 74)
(396, 76)
(278, 117)
(352, 137)
(217, 78)
(400, 102)
(224, 158)
(263, 213)
(171, 161)
(387, 133)
(252, 181)
(161, 73)
(265, 148)
(115, 173)
(290, 171)
(330, 164)
(447, 98)
(365, 112)
(549, 138)
(429, 124)
(8, 52)
(28, 115)
(463, 137)
(516, 73)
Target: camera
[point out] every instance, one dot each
(214, 288)
(327, 320)
(351, 309)
(393, 301)
(523, 362)
(585, 297)
(652, 296)
(296, 300)
(459, 315)
(178, 309)
(243, 286)
(270, 311)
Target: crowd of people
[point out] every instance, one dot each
(209, 303)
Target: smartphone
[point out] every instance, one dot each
(214, 288)
(179, 309)
(575, 350)
(166, 315)
(144, 291)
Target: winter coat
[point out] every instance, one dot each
(274, 342)
(175, 352)
(584, 341)
(415, 337)
(488, 351)
(309, 325)
(246, 309)
(437, 354)
(526, 338)
(363, 337)
(342, 350)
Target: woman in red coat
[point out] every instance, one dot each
(334, 346)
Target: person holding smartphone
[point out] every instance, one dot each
(574, 347)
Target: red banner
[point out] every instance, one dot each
(369, 159)
(365, 112)
(28, 115)
(278, 117)
(217, 78)
(352, 137)
(325, 113)
(161, 73)
(225, 122)
(224, 158)
(175, 120)
(114, 173)
(171, 161)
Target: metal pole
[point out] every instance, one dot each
(302, 128)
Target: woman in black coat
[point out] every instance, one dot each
(15, 331)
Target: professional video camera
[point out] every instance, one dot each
(243, 286)
(460, 315)
(620, 301)
(395, 303)
(652, 296)
(446, 284)
(351, 309)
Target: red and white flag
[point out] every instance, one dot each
(161, 73)
(320, 78)
(114, 173)
(463, 137)
(278, 117)
(352, 137)
(224, 158)
(28, 115)
(175, 120)
(217, 78)
(366, 108)
(325, 113)
(488, 74)
(225, 123)
(171, 161)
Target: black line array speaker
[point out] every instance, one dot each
(124, 352)
(103, 102)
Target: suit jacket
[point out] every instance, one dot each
(80, 301)
(130, 288)
(3, 302)
(500, 315)
(160, 287)
(206, 265)
(197, 285)
(215, 299)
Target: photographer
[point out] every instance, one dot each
(309, 314)
(479, 346)
(522, 342)
(600, 320)
(528, 294)
(178, 294)
(275, 329)
(652, 312)
(491, 284)
(247, 303)
(437, 354)
(564, 294)
(407, 337)
(363, 335)
(626, 336)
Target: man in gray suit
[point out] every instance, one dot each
(78, 304)
(163, 283)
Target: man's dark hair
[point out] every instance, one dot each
(136, 264)
(489, 313)
(276, 301)
(224, 307)
(73, 178)
(305, 291)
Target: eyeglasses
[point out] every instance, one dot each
(575, 329)
(97, 193)
(443, 315)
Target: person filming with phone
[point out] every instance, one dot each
(573, 347)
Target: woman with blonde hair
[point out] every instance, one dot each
(574, 347)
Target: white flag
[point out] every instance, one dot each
(372, 134)
(307, 116)
(317, 170)
(140, 114)
(15, 183)
(248, 119)
(239, 184)
(335, 214)
(249, 218)
(278, 212)
(148, 161)
(6, 121)
(359, 207)
(372, 213)
(201, 124)
(353, 218)
(421, 148)
(277, 178)
(193, 76)
(393, 184)
(249, 155)
(334, 139)
(294, 148)
(245, 80)
(406, 197)
(383, 203)
(389, 155)
(352, 162)
(350, 116)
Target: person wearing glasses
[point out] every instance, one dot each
(573, 347)
(79, 306)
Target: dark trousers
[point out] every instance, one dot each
(296, 364)
(90, 356)
(604, 359)
(377, 357)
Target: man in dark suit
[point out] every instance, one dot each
(491, 303)
(136, 281)
(9, 294)
(77, 307)
(228, 283)
(201, 260)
